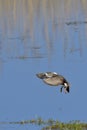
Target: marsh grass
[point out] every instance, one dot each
(51, 124)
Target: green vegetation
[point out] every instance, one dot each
(51, 124)
(76, 125)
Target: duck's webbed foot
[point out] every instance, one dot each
(61, 89)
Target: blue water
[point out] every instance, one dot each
(37, 38)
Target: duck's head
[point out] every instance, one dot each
(67, 87)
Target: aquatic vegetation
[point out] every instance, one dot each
(51, 124)
(67, 126)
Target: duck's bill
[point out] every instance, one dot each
(67, 89)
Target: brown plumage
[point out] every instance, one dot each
(54, 79)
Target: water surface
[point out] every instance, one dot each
(38, 36)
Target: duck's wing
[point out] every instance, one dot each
(46, 75)
(41, 75)
(53, 81)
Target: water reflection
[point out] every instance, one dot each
(76, 22)
(28, 27)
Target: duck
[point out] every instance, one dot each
(54, 79)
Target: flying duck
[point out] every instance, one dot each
(54, 79)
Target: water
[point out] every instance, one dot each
(38, 36)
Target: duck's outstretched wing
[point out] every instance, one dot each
(41, 75)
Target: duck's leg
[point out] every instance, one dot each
(61, 89)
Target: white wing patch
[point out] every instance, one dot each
(49, 76)
(54, 73)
